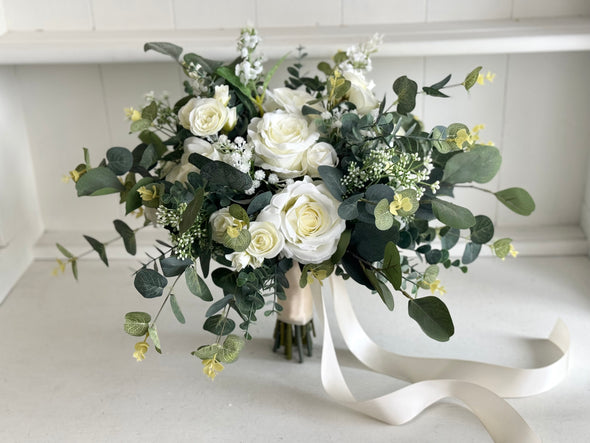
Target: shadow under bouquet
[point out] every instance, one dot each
(282, 187)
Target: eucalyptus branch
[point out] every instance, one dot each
(166, 299)
(475, 187)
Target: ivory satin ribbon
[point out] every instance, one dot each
(479, 385)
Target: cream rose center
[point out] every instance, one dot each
(310, 218)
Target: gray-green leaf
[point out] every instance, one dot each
(149, 283)
(452, 215)
(137, 323)
(517, 199)
(197, 285)
(176, 309)
(433, 317)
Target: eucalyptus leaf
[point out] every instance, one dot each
(173, 266)
(128, 236)
(196, 284)
(190, 214)
(176, 309)
(471, 78)
(348, 209)
(392, 265)
(153, 331)
(501, 247)
(99, 248)
(332, 178)
(149, 283)
(383, 218)
(480, 165)
(451, 238)
(232, 345)
(381, 288)
(64, 251)
(133, 199)
(219, 305)
(406, 91)
(140, 125)
(341, 247)
(220, 173)
(165, 48)
(483, 230)
(120, 160)
(259, 202)
(137, 323)
(433, 317)
(240, 242)
(219, 325)
(98, 181)
(470, 253)
(452, 215)
(517, 200)
(207, 352)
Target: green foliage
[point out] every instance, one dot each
(137, 323)
(501, 247)
(173, 266)
(341, 247)
(99, 248)
(259, 202)
(392, 266)
(119, 160)
(433, 317)
(471, 252)
(383, 218)
(133, 199)
(348, 209)
(208, 65)
(228, 352)
(380, 287)
(219, 325)
(452, 215)
(176, 309)
(480, 165)
(98, 181)
(240, 242)
(406, 91)
(471, 78)
(450, 237)
(190, 214)
(332, 178)
(517, 200)
(220, 173)
(64, 251)
(196, 284)
(165, 48)
(149, 283)
(483, 230)
(128, 236)
(140, 125)
(153, 331)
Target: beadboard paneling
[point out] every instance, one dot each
(550, 8)
(277, 13)
(57, 15)
(364, 12)
(189, 14)
(64, 111)
(457, 10)
(132, 14)
(546, 135)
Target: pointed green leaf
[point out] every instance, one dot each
(190, 214)
(381, 288)
(64, 251)
(150, 112)
(470, 253)
(392, 265)
(75, 268)
(433, 317)
(153, 331)
(341, 247)
(128, 236)
(452, 215)
(99, 248)
(165, 48)
(176, 309)
(133, 200)
(173, 266)
(98, 181)
(332, 178)
(471, 78)
(197, 285)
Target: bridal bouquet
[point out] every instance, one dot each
(283, 187)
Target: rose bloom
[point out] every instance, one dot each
(280, 140)
(307, 216)
(266, 242)
(191, 145)
(221, 220)
(292, 100)
(320, 154)
(361, 92)
(208, 116)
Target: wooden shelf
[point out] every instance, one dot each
(418, 39)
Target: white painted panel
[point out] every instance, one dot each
(482, 105)
(276, 13)
(546, 135)
(20, 218)
(125, 86)
(189, 14)
(362, 12)
(456, 10)
(64, 110)
(2, 19)
(62, 15)
(550, 8)
(132, 14)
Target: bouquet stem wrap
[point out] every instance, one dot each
(298, 306)
(480, 386)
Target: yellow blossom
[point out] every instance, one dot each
(65, 178)
(75, 174)
(435, 286)
(211, 367)
(234, 230)
(61, 267)
(147, 194)
(132, 114)
(398, 203)
(513, 252)
(462, 137)
(140, 350)
(138, 213)
(490, 76)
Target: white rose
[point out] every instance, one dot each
(221, 220)
(320, 154)
(181, 171)
(307, 216)
(199, 146)
(266, 242)
(280, 140)
(360, 92)
(208, 117)
(292, 100)
(184, 113)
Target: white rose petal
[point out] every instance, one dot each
(360, 92)
(222, 94)
(307, 216)
(207, 117)
(280, 140)
(221, 220)
(184, 113)
(292, 100)
(199, 146)
(266, 241)
(181, 171)
(320, 154)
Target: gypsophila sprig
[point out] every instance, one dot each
(283, 187)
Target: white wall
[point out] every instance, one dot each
(30, 15)
(20, 221)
